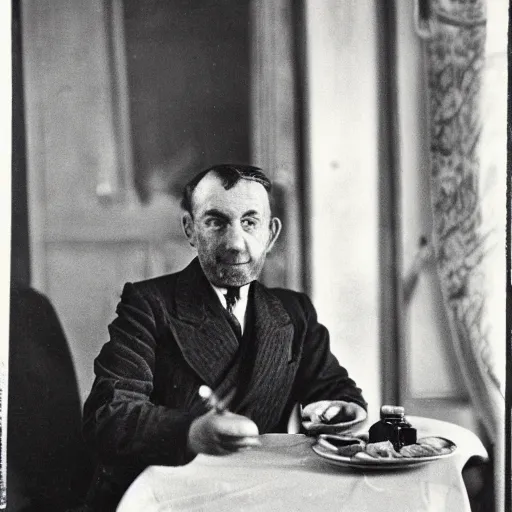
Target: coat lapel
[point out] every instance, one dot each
(200, 328)
(210, 347)
(271, 374)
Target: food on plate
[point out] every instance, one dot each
(418, 450)
(358, 449)
(440, 444)
(428, 447)
(382, 449)
(342, 445)
(363, 456)
(339, 417)
(351, 450)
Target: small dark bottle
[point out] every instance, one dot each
(392, 427)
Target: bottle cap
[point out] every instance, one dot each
(393, 411)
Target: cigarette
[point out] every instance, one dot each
(211, 399)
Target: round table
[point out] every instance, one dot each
(284, 474)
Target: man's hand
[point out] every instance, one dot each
(221, 434)
(333, 412)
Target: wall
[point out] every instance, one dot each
(5, 231)
(90, 232)
(20, 264)
(123, 101)
(342, 133)
(188, 80)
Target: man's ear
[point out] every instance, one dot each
(275, 229)
(187, 223)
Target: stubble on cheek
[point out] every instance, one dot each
(233, 275)
(215, 263)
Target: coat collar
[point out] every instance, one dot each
(208, 343)
(195, 298)
(193, 294)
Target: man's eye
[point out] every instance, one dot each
(215, 223)
(249, 223)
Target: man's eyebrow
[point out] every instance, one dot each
(251, 213)
(213, 212)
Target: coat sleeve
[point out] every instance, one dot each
(320, 376)
(120, 422)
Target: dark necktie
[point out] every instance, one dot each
(232, 296)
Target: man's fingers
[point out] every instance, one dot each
(233, 425)
(232, 444)
(220, 434)
(228, 438)
(218, 449)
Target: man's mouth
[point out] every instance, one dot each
(233, 263)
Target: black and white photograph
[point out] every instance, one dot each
(255, 256)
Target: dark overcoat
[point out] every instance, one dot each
(171, 336)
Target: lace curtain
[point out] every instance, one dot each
(467, 107)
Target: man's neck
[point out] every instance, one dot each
(241, 304)
(221, 291)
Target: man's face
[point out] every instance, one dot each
(231, 230)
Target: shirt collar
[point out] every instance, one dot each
(244, 292)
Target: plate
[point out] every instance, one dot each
(377, 464)
(314, 428)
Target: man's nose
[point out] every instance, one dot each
(234, 238)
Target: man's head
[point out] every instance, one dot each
(227, 219)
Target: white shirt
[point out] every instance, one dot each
(241, 303)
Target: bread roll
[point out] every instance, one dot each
(382, 449)
(418, 450)
(363, 456)
(441, 445)
(349, 451)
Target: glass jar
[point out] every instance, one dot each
(392, 427)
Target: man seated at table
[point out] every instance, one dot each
(212, 323)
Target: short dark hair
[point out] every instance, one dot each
(230, 175)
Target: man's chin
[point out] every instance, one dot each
(235, 275)
(225, 274)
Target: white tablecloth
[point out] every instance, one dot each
(284, 474)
